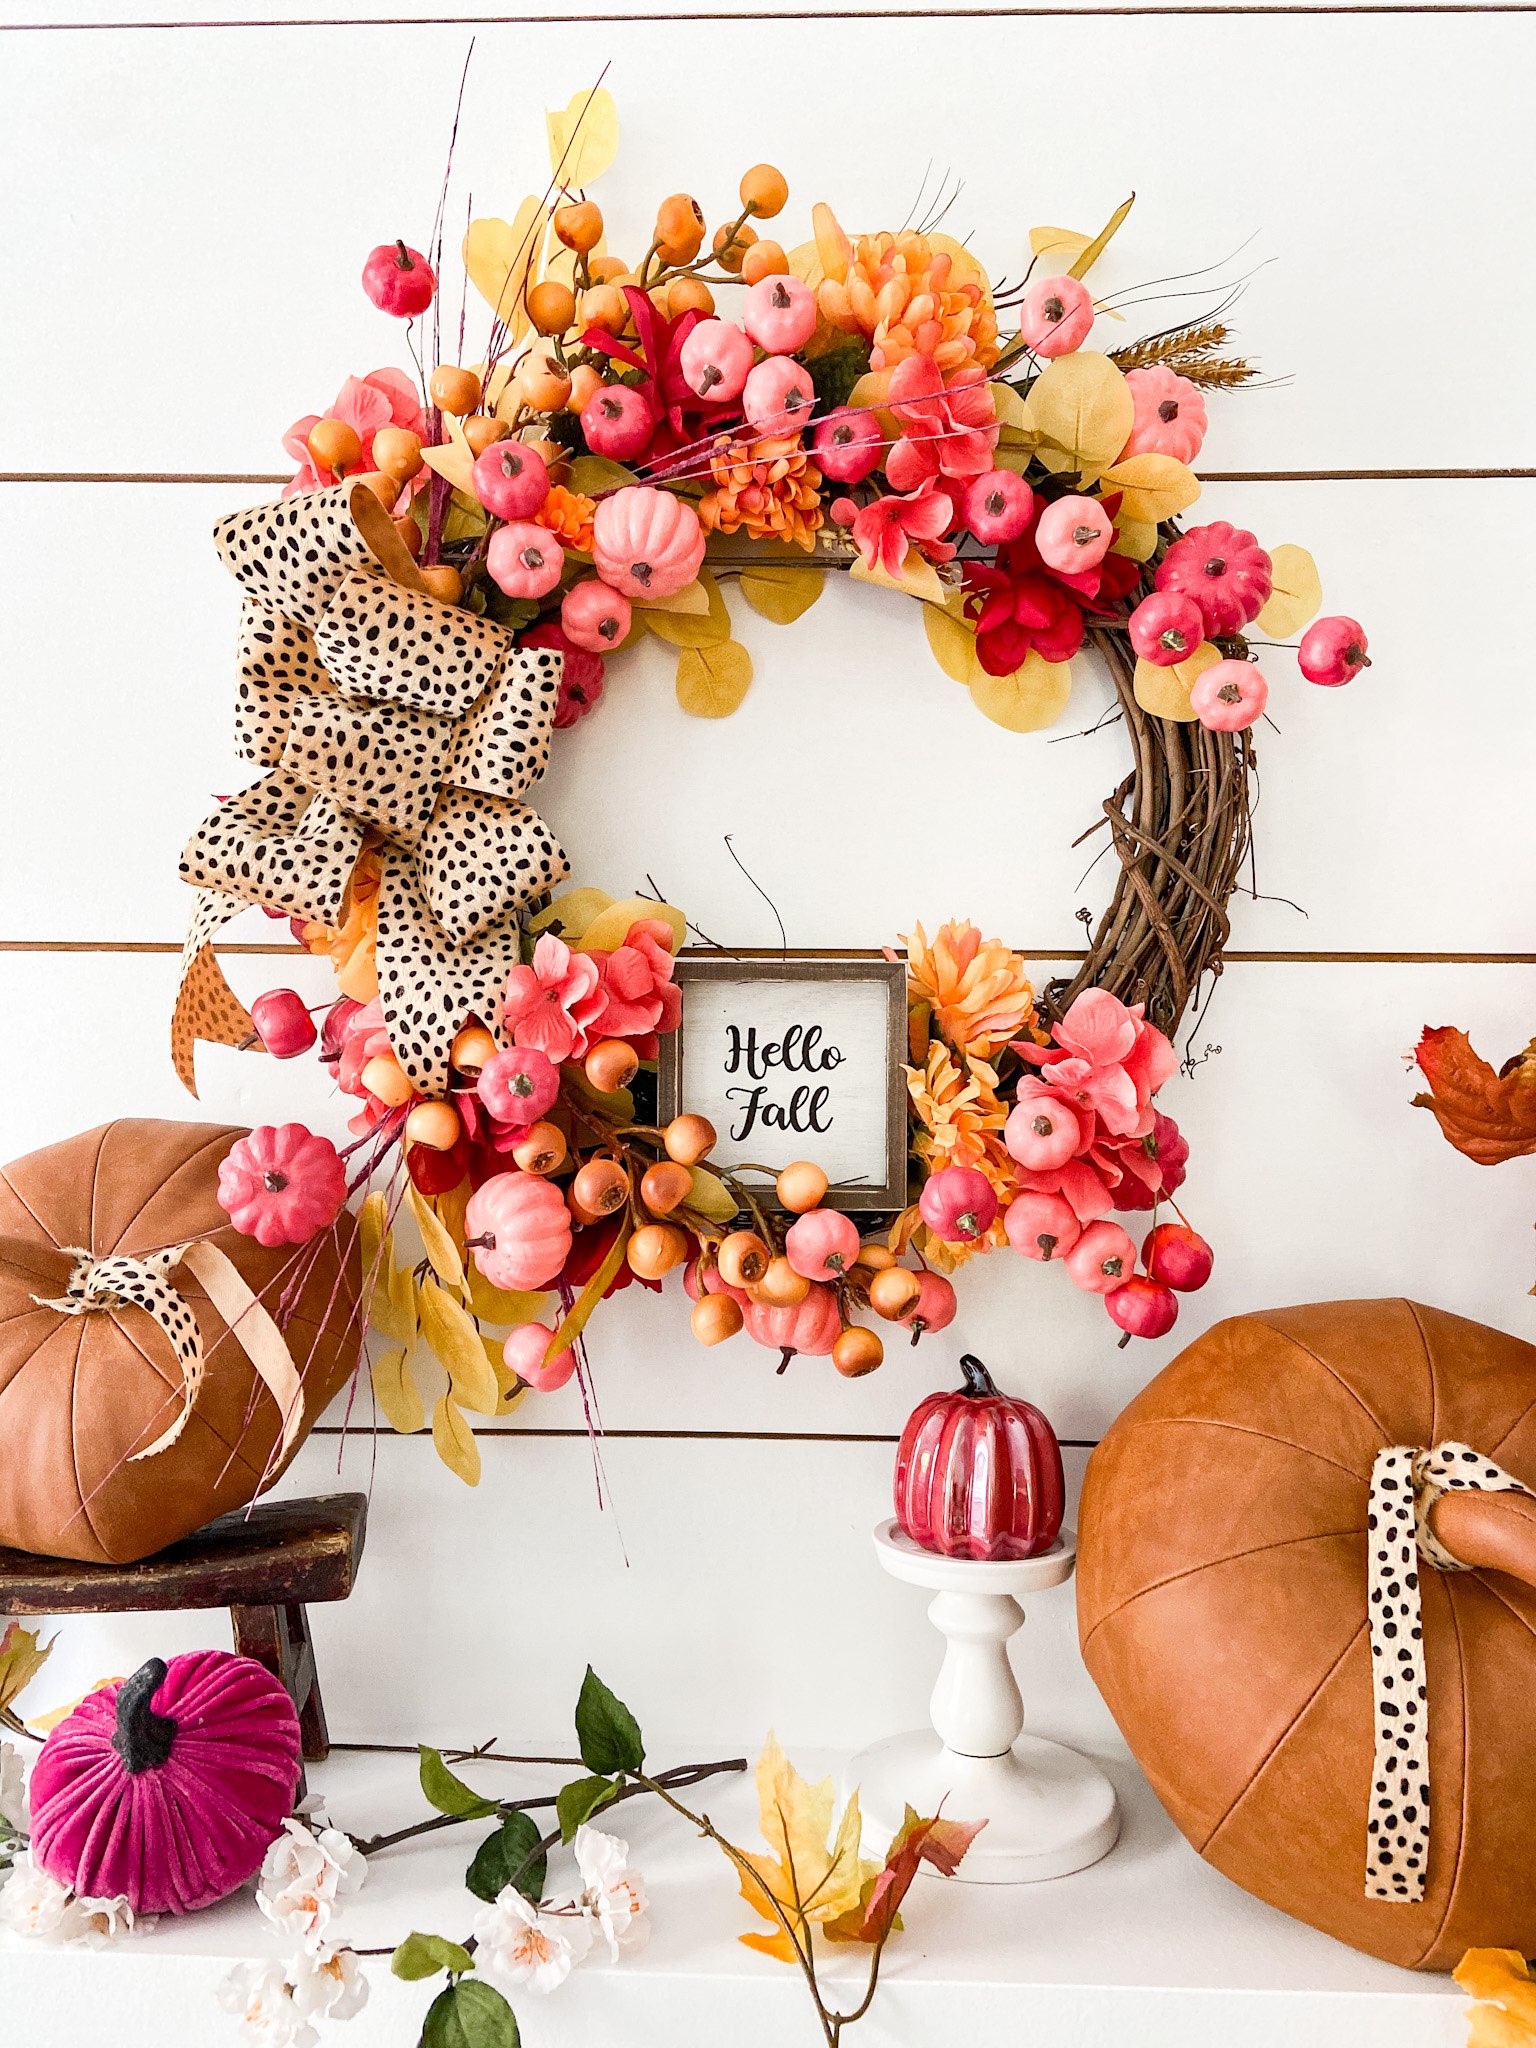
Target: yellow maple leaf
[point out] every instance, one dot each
(812, 1873)
(1505, 2015)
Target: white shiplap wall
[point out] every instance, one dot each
(186, 211)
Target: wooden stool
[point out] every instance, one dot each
(262, 1563)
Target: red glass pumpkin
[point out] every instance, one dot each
(979, 1474)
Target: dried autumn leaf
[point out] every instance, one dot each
(455, 1342)
(511, 1388)
(583, 137)
(711, 681)
(1500, 1980)
(782, 592)
(455, 1441)
(22, 1656)
(1164, 692)
(396, 1391)
(811, 1878)
(442, 1253)
(1030, 699)
(940, 1843)
(1489, 1116)
(1297, 595)
(704, 622)
(1152, 487)
(1082, 409)
(500, 257)
(499, 1305)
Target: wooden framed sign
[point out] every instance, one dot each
(796, 1056)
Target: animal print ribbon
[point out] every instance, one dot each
(101, 1285)
(381, 716)
(1405, 1484)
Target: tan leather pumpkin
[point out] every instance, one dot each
(1222, 1608)
(80, 1393)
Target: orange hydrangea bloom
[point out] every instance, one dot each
(911, 294)
(569, 516)
(971, 990)
(351, 944)
(768, 488)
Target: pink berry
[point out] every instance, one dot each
(524, 560)
(1042, 1131)
(778, 396)
(581, 673)
(1333, 652)
(958, 1204)
(399, 280)
(617, 422)
(1073, 535)
(594, 616)
(1142, 1307)
(1178, 1256)
(715, 360)
(518, 1086)
(333, 1029)
(523, 1353)
(998, 506)
(1102, 1258)
(935, 1308)
(1228, 696)
(779, 314)
(1041, 1226)
(283, 1024)
(1165, 627)
(1056, 316)
(847, 445)
(511, 481)
(823, 1244)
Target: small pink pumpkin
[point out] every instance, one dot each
(1170, 415)
(822, 1244)
(811, 1326)
(282, 1184)
(1224, 570)
(958, 1204)
(647, 543)
(167, 1789)
(519, 1229)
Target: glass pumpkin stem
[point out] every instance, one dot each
(978, 1380)
(143, 1738)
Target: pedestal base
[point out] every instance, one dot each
(1048, 1810)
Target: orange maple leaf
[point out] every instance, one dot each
(1489, 1116)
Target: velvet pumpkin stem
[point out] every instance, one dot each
(143, 1738)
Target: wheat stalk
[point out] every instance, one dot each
(1173, 342)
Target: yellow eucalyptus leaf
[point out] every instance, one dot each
(591, 475)
(500, 258)
(442, 1253)
(1081, 407)
(373, 1229)
(571, 912)
(396, 1391)
(610, 928)
(501, 1305)
(711, 681)
(695, 600)
(1153, 487)
(710, 1197)
(1297, 596)
(583, 137)
(455, 1441)
(1033, 697)
(455, 1343)
(1136, 539)
(918, 577)
(782, 592)
(568, 1330)
(953, 643)
(1164, 692)
(614, 1105)
(512, 1388)
(454, 461)
(392, 1311)
(703, 622)
(1090, 253)
(1055, 250)
(1008, 404)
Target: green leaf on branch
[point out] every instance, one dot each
(607, 1733)
(423, 1955)
(511, 1856)
(470, 2014)
(578, 1801)
(448, 1793)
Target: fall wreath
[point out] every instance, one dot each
(459, 559)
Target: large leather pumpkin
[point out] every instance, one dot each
(80, 1393)
(1222, 1607)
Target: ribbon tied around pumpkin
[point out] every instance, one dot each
(382, 717)
(101, 1285)
(1405, 1484)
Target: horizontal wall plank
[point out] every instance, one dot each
(877, 793)
(192, 236)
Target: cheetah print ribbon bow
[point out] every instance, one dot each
(381, 715)
(101, 1285)
(1405, 1484)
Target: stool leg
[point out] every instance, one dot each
(306, 1685)
(258, 1636)
(266, 1635)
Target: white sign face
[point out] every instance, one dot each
(790, 1068)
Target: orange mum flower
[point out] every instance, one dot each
(911, 294)
(769, 488)
(351, 944)
(971, 990)
(957, 1110)
(569, 516)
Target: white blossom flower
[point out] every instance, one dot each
(13, 1790)
(33, 1903)
(612, 1892)
(328, 1984)
(520, 1943)
(96, 1923)
(303, 1876)
(261, 1994)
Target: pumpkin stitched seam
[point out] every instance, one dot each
(1429, 1366)
(1212, 1564)
(1242, 1429)
(1388, 1436)
(225, 1132)
(173, 1394)
(1523, 1416)
(1466, 1782)
(74, 1442)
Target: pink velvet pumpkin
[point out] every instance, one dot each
(519, 1229)
(646, 543)
(167, 1789)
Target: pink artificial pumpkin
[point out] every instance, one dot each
(167, 1789)
(848, 445)
(1228, 696)
(1170, 416)
(1224, 570)
(1165, 627)
(1073, 535)
(822, 1244)
(958, 1204)
(524, 560)
(519, 1229)
(647, 543)
(778, 396)
(779, 314)
(594, 617)
(979, 1475)
(1333, 651)
(282, 1184)
(935, 1308)
(811, 1326)
(523, 1353)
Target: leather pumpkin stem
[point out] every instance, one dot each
(1489, 1531)
(978, 1381)
(143, 1738)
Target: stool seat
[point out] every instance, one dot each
(262, 1563)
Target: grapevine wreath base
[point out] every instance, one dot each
(440, 596)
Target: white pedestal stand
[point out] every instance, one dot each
(1048, 1810)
